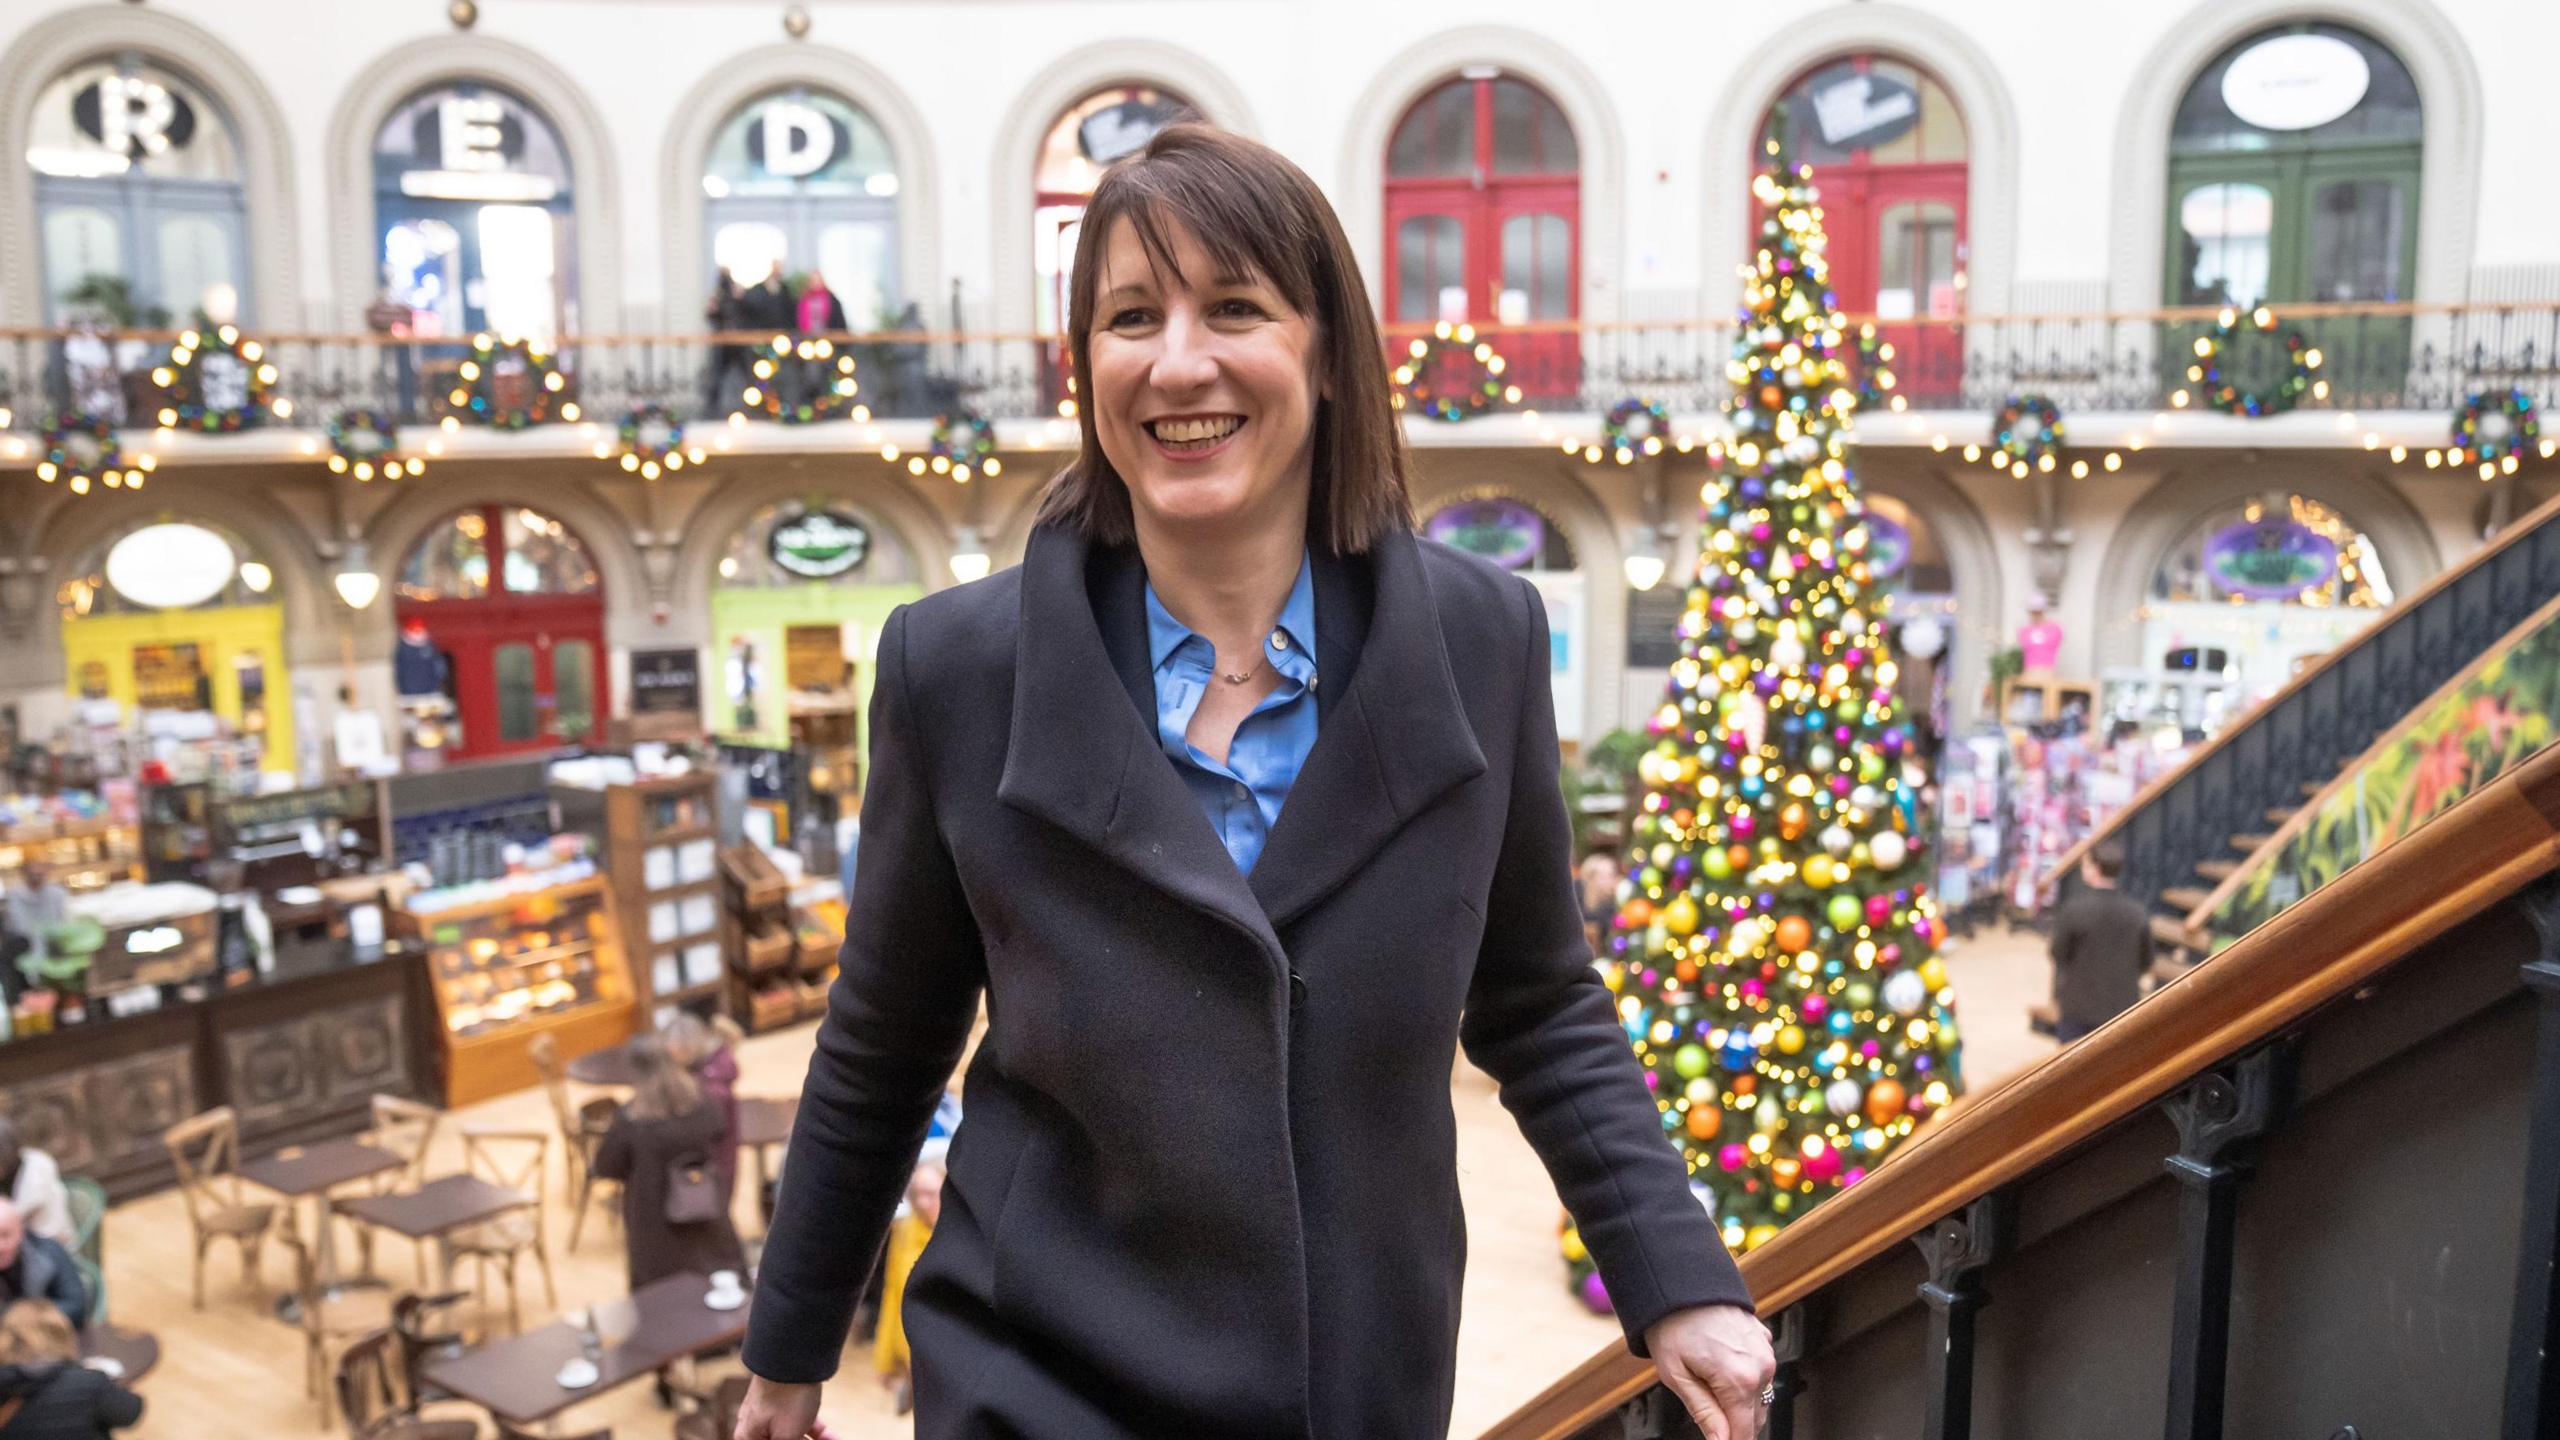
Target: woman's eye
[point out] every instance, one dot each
(1239, 308)
(1122, 320)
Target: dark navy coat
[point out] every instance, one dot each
(1207, 1185)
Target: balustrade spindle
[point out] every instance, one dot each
(2220, 1119)
(1959, 1249)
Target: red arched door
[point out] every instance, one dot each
(513, 606)
(1888, 151)
(1484, 224)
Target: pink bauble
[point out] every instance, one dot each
(1823, 1168)
(1732, 1157)
(1594, 1294)
(1853, 1177)
(1878, 907)
(1753, 989)
(1892, 953)
(1814, 1006)
(1743, 824)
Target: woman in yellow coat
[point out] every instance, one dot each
(907, 1237)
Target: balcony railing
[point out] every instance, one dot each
(2370, 357)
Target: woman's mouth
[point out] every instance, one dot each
(1191, 437)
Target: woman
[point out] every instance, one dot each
(708, 1052)
(1208, 1185)
(657, 1144)
(45, 1393)
(31, 1178)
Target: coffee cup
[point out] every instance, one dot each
(724, 1282)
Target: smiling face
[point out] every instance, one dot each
(1203, 388)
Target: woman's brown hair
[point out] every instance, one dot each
(661, 1088)
(1251, 210)
(33, 1332)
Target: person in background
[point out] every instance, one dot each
(907, 1237)
(819, 312)
(709, 1053)
(34, 1268)
(45, 1392)
(2101, 945)
(668, 1127)
(1598, 882)
(30, 1177)
(37, 903)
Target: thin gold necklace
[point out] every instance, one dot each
(1235, 679)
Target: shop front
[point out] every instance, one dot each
(1521, 538)
(500, 611)
(178, 620)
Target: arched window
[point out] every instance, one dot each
(2283, 550)
(1111, 122)
(501, 609)
(2293, 173)
(1889, 152)
(805, 181)
(474, 215)
(1484, 222)
(798, 600)
(139, 211)
(2241, 601)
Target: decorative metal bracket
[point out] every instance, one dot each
(1958, 1250)
(2221, 1115)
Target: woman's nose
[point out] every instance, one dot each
(1185, 361)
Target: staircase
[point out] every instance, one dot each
(2187, 831)
(2311, 1193)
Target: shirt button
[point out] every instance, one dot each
(1279, 639)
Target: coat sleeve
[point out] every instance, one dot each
(1540, 1020)
(897, 1020)
(117, 1407)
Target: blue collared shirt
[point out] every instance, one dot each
(1242, 796)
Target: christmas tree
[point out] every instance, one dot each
(1775, 951)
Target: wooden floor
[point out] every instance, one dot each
(233, 1370)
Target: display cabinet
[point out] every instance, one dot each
(661, 847)
(510, 967)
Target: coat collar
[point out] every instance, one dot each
(1391, 736)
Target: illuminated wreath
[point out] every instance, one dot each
(102, 461)
(2027, 433)
(832, 387)
(186, 399)
(1450, 375)
(366, 443)
(648, 458)
(2495, 426)
(963, 446)
(1875, 371)
(1633, 427)
(2217, 392)
(475, 399)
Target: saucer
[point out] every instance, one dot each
(106, 1365)
(578, 1374)
(731, 1301)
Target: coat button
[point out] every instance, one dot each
(1297, 991)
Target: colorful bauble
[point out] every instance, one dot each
(1634, 427)
(1843, 912)
(814, 366)
(1889, 850)
(1450, 375)
(2211, 388)
(366, 444)
(1844, 1096)
(1875, 372)
(2028, 432)
(508, 385)
(1905, 992)
(2494, 427)
(1705, 1121)
(1794, 934)
(650, 443)
(82, 450)
(218, 382)
(1885, 1099)
(963, 446)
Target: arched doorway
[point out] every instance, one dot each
(2239, 603)
(474, 215)
(180, 615)
(804, 181)
(1890, 153)
(797, 601)
(501, 609)
(1484, 215)
(2294, 176)
(1110, 123)
(1521, 538)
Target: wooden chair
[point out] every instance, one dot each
(516, 1159)
(582, 1129)
(331, 1314)
(377, 1401)
(406, 1129)
(716, 1415)
(420, 1338)
(204, 1150)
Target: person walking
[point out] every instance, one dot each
(663, 1147)
(1171, 793)
(2101, 945)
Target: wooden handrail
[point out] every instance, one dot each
(2487, 847)
(2515, 533)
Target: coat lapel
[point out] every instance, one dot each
(1081, 753)
(1394, 739)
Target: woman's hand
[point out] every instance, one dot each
(1716, 1358)
(780, 1412)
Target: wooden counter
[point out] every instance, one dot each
(299, 1054)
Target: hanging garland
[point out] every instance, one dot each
(366, 443)
(2028, 432)
(217, 383)
(1875, 371)
(1474, 382)
(1633, 427)
(2495, 427)
(829, 376)
(647, 457)
(2219, 393)
(475, 396)
(963, 446)
(101, 460)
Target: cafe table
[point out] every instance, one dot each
(437, 1209)
(135, 1352)
(660, 1324)
(310, 1172)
